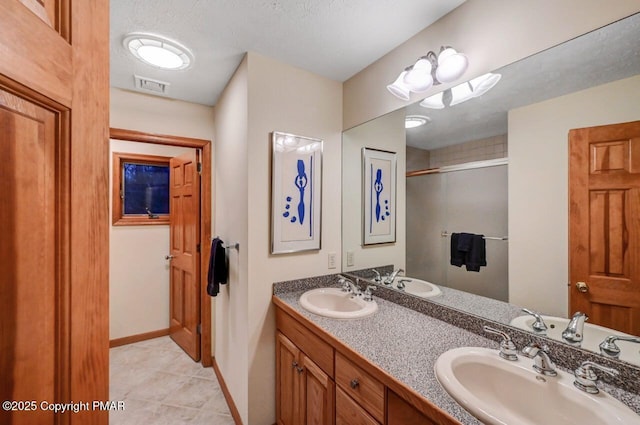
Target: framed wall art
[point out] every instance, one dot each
(296, 193)
(378, 196)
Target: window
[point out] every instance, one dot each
(140, 189)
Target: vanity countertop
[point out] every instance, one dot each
(405, 344)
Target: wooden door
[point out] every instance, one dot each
(604, 225)
(184, 211)
(54, 109)
(318, 394)
(288, 388)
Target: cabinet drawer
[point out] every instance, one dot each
(349, 413)
(315, 348)
(362, 387)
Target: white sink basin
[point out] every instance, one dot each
(420, 288)
(333, 302)
(500, 392)
(592, 335)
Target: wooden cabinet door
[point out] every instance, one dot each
(399, 412)
(318, 394)
(348, 412)
(288, 388)
(604, 225)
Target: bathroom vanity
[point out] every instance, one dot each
(377, 369)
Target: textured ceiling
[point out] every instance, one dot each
(332, 38)
(608, 54)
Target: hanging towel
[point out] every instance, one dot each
(469, 250)
(217, 267)
(457, 256)
(476, 256)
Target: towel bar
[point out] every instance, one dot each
(444, 234)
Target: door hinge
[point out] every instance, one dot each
(198, 248)
(199, 167)
(199, 329)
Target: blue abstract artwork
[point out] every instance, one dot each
(296, 193)
(379, 196)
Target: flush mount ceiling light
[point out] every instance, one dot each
(462, 92)
(158, 51)
(429, 70)
(413, 121)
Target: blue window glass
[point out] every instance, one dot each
(146, 188)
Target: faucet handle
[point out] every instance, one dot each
(586, 378)
(368, 295)
(609, 348)
(346, 287)
(508, 349)
(539, 326)
(378, 278)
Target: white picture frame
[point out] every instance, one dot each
(296, 193)
(378, 196)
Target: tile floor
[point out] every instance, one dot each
(161, 385)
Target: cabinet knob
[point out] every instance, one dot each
(582, 287)
(354, 383)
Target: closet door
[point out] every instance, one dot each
(54, 209)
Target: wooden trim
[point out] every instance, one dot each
(424, 406)
(205, 218)
(137, 338)
(117, 217)
(422, 172)
(227, 395)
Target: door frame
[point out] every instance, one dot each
(205, 218)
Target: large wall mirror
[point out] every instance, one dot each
(498, 165)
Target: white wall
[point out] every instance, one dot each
(138, 272)
(538, 187)
(265, 95)
(492, 33)
(231, 224)
(385, 133)
(138, 289)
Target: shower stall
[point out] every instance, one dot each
(467, 198)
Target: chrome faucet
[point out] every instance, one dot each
(609, 348)
(586, 378)
(389, 280)
(508, 349)
(542, 363)
(538, 326)
(349, 286)
(573, 333)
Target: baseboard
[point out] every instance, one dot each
(227, 395)
(137, 338)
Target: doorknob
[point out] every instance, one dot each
(582, 287)
(168, 257)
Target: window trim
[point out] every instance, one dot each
(117, 216)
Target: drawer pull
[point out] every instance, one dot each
(354, 383)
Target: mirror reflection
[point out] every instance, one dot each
(497, 166)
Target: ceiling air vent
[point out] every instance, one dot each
(151, 85)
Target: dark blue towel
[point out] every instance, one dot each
(218, 271)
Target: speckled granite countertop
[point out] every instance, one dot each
(406, 338)
(405, 344)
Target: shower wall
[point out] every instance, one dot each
(471, 201)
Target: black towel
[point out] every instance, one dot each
(468, 249)
(457, 256)
(217, 268)
(476, 256)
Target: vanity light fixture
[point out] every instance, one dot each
(158, 51)
(429, 70)
(413, 121)
(462, 92)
